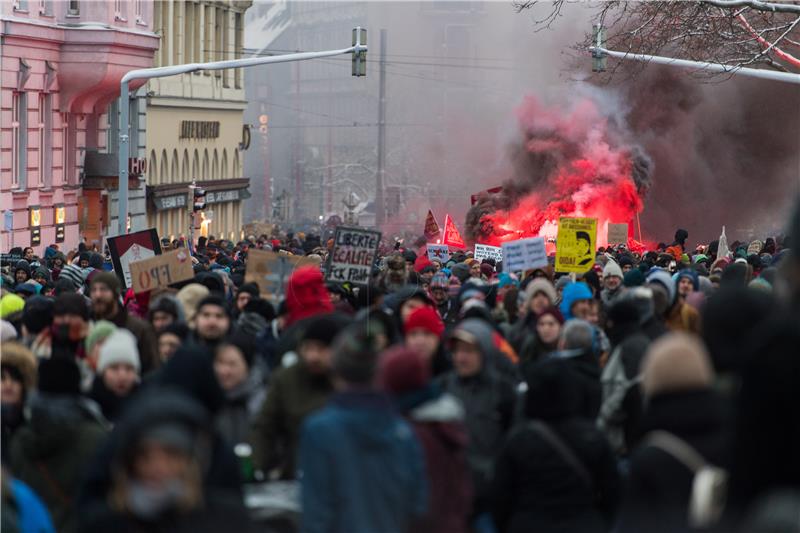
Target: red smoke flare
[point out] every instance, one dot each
(577, 163)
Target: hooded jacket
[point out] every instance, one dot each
(52, 452)
(489, 404)
(573, 292)
(535, 488)
(306, 295)
(362, 468)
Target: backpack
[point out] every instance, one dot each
(615, 386)
(710, 483)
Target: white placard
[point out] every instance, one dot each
(524, 254)
(438, 252)
(484, 251)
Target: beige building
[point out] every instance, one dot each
(194, 121)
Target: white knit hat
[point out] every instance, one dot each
(119, 347)
(612, 269)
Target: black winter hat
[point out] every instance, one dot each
(96, 261)
(37, 314)
(250, 288)
(191, 370)
(410, 256)
(59, 375)
(245, 343)
(324, 328)
(214, 299)
(211, 281)
(24, 266)
(71, 303)
(681, 235)
(84, 256)
(108, 279)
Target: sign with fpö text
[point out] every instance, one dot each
(354, 251)
(161, 271)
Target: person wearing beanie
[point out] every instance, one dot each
(19, 381)
(117, 375)
(11, 304)
(104, 292)
(84, 258)
(548, 325)
(212, 322)
(383, 489)
(295, 392)
(246, 292)
(98, 333)
(612, 282)
(28, 289)
(682, 408)
(22, 272)
(73, 275)
(170, 339)
(538, 296)
(440, 294)
(575, 300)
(633, 278)
(53, 451)
(70, 325)
(164, 310)
(687, 282)
(536, 488)
(474, 268)
(243, 383)
(423, 331)
(7, 331)
(487, 271)
(438, 422)
(189, 296)
(461, 271)
(677, 314)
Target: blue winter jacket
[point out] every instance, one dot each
(361, 468)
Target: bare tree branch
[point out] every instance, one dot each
(756, 4)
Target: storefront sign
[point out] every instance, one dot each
(137, 167)
(354, 251)
(199, 129)
(524, 254)
(127, 249)
(35, 223)
(161, 270)
(170, 202)
(60, 218)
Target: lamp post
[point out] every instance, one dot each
(358, 49)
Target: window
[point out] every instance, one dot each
(46, 8)
(226, 48)
(73, 8)
(237, 45)
(121, 10)
(138, 11)
(218, 40)
(45, 127)
(188, 31)
(20, 5)
(197, 34)
(64, 154)
(112, 130)
(19, 149)
(208, 41)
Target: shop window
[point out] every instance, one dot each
(19, 149)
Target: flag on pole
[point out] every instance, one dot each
(452, 237)
(722, 249)
(432, 230)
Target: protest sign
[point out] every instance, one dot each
(161, 270)
(484, 251)
(452, 237)
(431, 227)
(524, 254)
(438, 252)
(353, 254)
(576, 244)
(271, 270)
(127, 249)
(617, 233)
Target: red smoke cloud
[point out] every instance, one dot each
(569, 162)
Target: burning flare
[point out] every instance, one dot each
(575, 162)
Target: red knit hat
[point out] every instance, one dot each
(426, 318)
(306, 295)
(403, 370)
(421, 262)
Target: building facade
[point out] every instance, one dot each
(195, 129)
(61, 66)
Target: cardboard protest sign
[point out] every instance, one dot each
(452, 237)
(438, 252)
(127, 249)
(354, 252)
(524, 254)
(576, 244)
(432, 230)
(484, 251)
(161, 270)
(271, 270)
(617, 233)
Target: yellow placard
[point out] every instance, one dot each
(576, 244)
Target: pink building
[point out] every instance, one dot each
(61, 63)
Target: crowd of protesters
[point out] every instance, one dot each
(656, 392)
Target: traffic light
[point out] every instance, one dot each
(360, 58)
(199, 199)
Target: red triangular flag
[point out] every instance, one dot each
(452, 237)
(432, 230)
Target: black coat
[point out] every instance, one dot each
(656, 496)
(537, 490)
